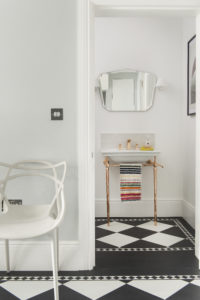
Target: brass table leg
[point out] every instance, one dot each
(155, 190)
(106, 163)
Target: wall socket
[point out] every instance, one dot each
(15, 201)
(57, 114)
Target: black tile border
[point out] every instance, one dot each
(131, 219)
(144, 249)
(187, 225)
(185, 231)
(101, 277)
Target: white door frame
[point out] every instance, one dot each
(86, 135)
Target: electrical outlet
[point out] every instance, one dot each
(15, 201)
(57, 114)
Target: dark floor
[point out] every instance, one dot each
(135, 260)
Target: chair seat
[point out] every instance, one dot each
(25, 221)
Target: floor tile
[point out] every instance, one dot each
(27, 289)
(163, 239)
(147, 263)
(128, 293)
(5, 295)
(118, 239)
(158, 228)
(184, 243)
(143, 244)
(174, 231)
(137, 232)
(100, 221)
(64, 294)
(196, 282)
(187, 226)
(115, 226)
(159, 288)
(101, 232)
(169, 221)
(135, 222)
(190, 292)
(94, 289)
(100, 244)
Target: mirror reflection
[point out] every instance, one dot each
(127, 90)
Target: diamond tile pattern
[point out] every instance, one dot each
(94, 289)
(117, 239)
(160, 288)
(26, 289)
(103, 290)
(158, 228)
(145, 233)
(120, 284)
(115, 226)
(163, 239)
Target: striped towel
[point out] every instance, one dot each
(130, 182)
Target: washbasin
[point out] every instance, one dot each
(129, 155)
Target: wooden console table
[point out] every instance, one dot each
(149, 163)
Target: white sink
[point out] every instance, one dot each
(129, 155)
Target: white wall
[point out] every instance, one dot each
(154, 45)
(38, 71)
(188, 131)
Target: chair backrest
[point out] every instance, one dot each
(38, 168)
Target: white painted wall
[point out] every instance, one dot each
(154, 45)
(38, 71)
(188, 132)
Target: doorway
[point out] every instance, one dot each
(109, 11)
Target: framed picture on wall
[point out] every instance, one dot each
(191, 77)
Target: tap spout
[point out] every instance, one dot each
(128, 144)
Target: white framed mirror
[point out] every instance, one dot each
(127, 90)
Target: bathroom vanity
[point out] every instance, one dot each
(115, 157)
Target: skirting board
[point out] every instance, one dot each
(36, 256)
(189, 213)
(142, 208)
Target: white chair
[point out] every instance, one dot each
(29, 221)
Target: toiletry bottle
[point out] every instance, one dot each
(147, 142)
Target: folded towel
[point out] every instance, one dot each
(130, 182)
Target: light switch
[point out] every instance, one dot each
(56, 114)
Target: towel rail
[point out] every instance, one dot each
(149, 163)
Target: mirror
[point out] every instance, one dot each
(127, 90)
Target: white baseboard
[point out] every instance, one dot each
(36, 256)
(142, 208)
(189, 213)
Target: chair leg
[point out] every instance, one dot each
(54, 246)
(57, 239)
(7, 256)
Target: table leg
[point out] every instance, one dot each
(106, 163)
(155, 190)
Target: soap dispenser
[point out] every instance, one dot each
(147, 142)
(147, 145)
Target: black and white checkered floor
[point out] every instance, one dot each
(134, 260)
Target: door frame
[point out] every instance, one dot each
(86, 120)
